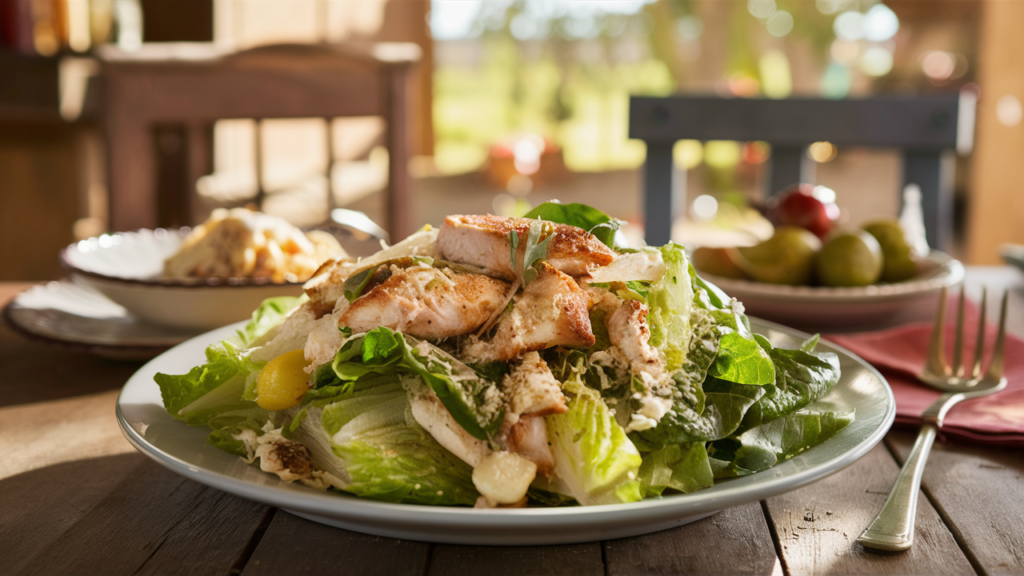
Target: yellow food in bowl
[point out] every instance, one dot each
(241, 243)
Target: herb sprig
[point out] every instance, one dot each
(535, 251)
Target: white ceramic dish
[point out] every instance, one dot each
(183, 450)
(814, 308)
(126, 267)
(72, 316)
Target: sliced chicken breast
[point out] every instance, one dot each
(327, 284)
(532, 389)
(550, 311)
(429, 412)
(629, 332)
(427, 303)
(324, 338)
(529, 438)
(484, 241)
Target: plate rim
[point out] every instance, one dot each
(780, 293)
(147, 351)
(354, 510)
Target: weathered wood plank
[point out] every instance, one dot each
(126, 531)
(35, 372)
(214, 538)
(734, 541)
(567, 560)
(980, 493)
(41, 504)
(58, 460)
(294, 545)
(817, 526)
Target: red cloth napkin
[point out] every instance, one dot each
(899, 354)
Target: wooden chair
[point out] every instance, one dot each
(926, 128)
(187, 87)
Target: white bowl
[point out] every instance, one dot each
(823, 309)
(126, 267)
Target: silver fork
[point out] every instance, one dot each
(893, 528)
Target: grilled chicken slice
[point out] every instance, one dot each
(532, 389)
(324, 338)
(629, 332)
(550, 311)
(429, 412)
(484, 241)
(529, 438)
(326, 285)
(427, 303)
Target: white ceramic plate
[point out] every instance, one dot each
(69, 315)
(126, 267)
(822, 309)
(183, 450)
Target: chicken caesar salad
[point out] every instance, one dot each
(506, 362)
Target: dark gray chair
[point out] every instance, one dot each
(927, 128)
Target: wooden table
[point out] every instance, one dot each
(76, 498)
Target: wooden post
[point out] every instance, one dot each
(200, 163)
(932, 171)
(995, 199)
(399, 199)
(789, 165)
(130, 157)
(660, 201)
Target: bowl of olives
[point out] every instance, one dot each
(846, 279)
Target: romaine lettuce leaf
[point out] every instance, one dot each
(473, 401)
(743, 361)
(270, 313)
(740, 359)
(582, 216)
(669, 303)
(212, 393)
(697, 416)
(595, 462)
(800, 378)
(766, 445)
(682, 467)
(724, 404)
(388, 456)
(226, 438)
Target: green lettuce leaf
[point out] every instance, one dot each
(269, 314)
(225, 437)
(214, 395)
(388, 456)
(800, 378)
(473, 401)
(695, 416)
(595, 462)
(682, 467)
(740, 359)
(669, 303)
(743, 361)
(628, 290)
(582, 216)
(214, 392)
(766, 445)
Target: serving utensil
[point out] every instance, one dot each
(893, 528)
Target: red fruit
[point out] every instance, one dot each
(805, 205)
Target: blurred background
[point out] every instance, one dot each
(505, 104)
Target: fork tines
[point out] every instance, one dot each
(937, 363)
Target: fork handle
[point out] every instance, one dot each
(893, 528)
